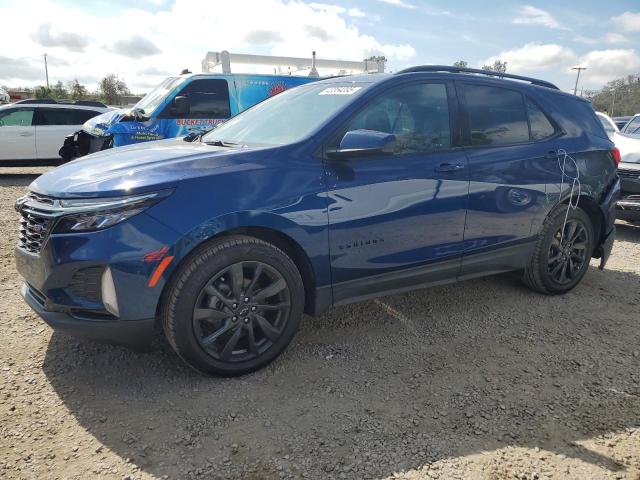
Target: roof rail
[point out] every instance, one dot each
(36, 100)
(51, 101)
(490, 73)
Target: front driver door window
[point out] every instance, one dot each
(17, 134)
(399, 211)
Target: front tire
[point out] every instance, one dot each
(562, 253)
(233, 306)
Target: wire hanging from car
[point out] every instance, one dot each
(574, 199)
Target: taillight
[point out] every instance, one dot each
(615, 153)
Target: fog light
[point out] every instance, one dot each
(109, 298)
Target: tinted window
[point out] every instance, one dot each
(418, 115)
(16, 117)
(63, 116)
(541, 127)
(575, 112)
(497, 116)
(207, 99)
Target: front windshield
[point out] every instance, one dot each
(155, 97)
(287, 117)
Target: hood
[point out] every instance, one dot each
(99, 125)
(139, 168)
(629, 147)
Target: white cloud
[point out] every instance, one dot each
(534, 57)
(615, 38)
(355, 12)
(399, 3)
(529, 15)
(628, 21)
(606, 65)
(277, 27)
(586, 40)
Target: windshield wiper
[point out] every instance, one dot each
(221, 143)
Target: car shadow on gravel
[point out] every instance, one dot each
(379, 387)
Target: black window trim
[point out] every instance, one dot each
(455, 128)
(464, 116)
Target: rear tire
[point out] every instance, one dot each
(560, 260)
(233, 306)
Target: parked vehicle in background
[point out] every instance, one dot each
(621, 121)
(628, 170)
(4, 96)
(329, 193)
(608, 124)
(633, 126)
(191, 104)
(32, 130)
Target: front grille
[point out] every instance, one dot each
(86, 283)
(36, 221)
(635, 174)
(34, 230)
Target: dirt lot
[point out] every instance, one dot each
(482, 379)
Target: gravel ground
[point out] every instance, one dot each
(482, 379)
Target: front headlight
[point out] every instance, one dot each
(91, 214)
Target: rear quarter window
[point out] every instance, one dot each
(579, 112)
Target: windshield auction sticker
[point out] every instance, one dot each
(339, 91)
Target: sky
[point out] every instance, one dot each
(144, 41)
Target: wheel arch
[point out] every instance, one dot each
(593, 211)
(313, 303)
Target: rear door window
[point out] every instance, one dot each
(81, 116)
(497, 116)
(57, 116)
(208, 98)
(19, 117)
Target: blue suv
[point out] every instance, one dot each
(332, 192)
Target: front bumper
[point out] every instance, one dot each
(81, 143)
(65, 282)
(136, 334)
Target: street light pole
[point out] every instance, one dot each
(579, 69)
(46, 70)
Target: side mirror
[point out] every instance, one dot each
(181, 105)
(364, 142)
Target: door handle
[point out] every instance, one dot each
(449, 167)
(26, 134)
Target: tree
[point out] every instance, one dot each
(111, 89)
(77, 90)
(618, 97)
(42, 92)
(461, 64)
(498, 66)
(378, 59)
(58, 90)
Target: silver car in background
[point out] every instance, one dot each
(628, 207)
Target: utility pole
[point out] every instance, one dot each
(579, 69)
(613, 103)
(46, 70)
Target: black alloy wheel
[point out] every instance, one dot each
(568, 252)
(241, 311)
